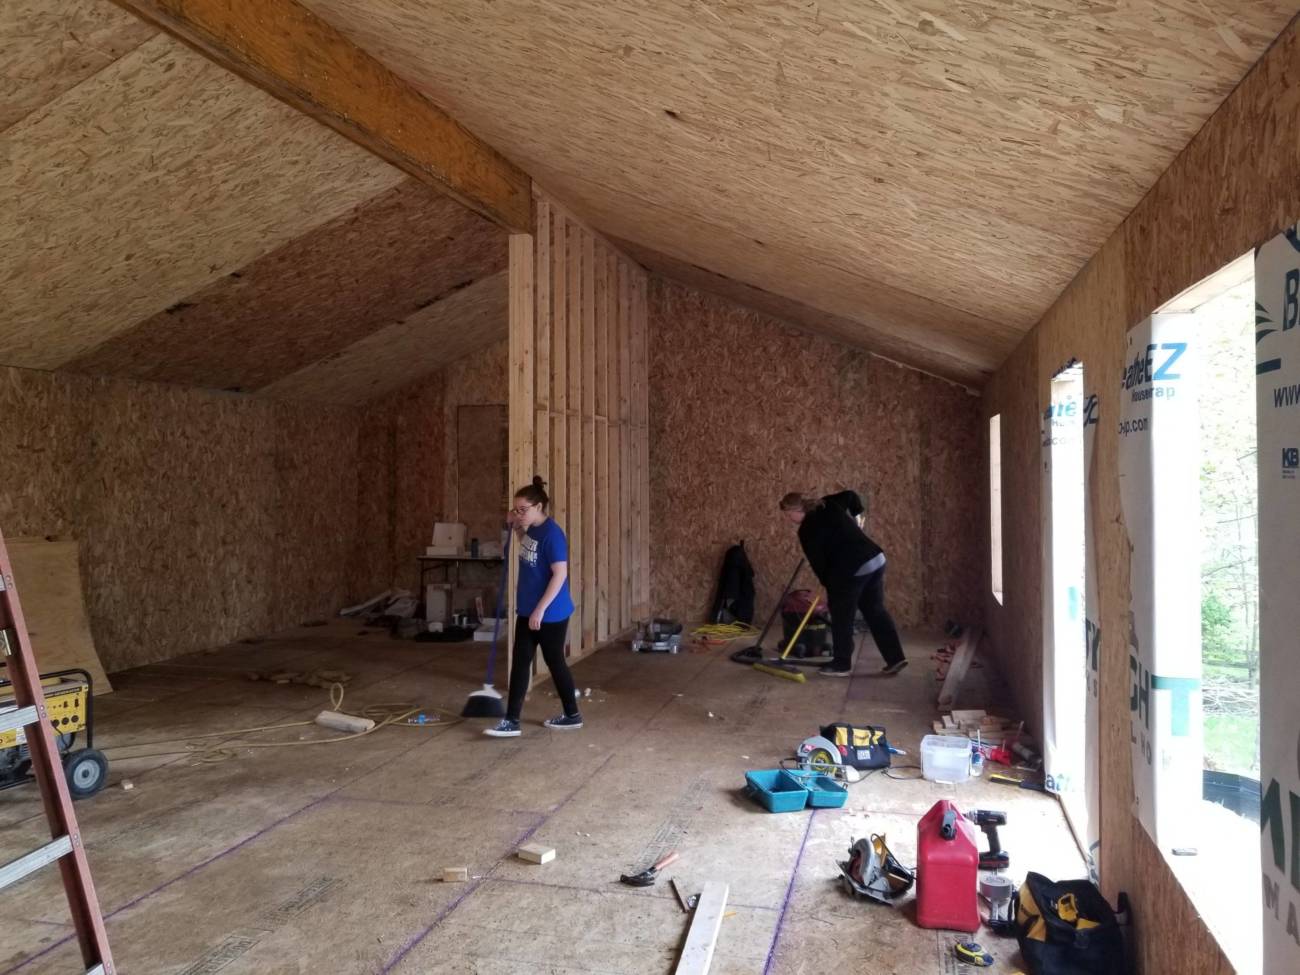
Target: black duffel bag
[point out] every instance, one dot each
(1067, 928)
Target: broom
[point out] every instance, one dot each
(778, 668)
(752, 654)
(486, 703)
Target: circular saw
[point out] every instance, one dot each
(819, 754)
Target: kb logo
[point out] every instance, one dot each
(1290, 461)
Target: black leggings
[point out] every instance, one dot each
(551, 639)
(866, 593)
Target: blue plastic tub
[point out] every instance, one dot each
(777, 790)
(824, 792)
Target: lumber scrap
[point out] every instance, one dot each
(706, 921)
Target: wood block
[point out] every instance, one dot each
(455, 875)
(536, 853)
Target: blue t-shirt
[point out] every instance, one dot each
(541, 547)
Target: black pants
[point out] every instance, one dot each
(866, 593)
(551, 639)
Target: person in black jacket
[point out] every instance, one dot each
(851, 567)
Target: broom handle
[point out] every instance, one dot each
(803, 622)
(784, 592)
(501, 595)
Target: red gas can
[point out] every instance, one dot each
(947, 870)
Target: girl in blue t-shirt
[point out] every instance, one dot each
(544, 607)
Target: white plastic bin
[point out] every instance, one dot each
(945, 758)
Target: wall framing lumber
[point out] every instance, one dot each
(587, 341)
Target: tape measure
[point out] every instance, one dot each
(972, 953)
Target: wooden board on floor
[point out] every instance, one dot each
(962, 656)
(47, 576)
(706, 923)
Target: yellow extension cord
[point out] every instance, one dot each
(723, 632)
(382, 714)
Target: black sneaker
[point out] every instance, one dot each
(505, 728)
(565, 722)
(830, 670)
(893, 668)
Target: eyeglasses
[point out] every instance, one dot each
(524, 510)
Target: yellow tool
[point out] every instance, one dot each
(778, 668)
(69, 697)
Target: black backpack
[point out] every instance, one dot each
(735, 599)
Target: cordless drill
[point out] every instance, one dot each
(994, 858)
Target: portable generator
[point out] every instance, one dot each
(69, 697)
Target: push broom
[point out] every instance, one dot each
(754, 654)
(779, 668)
(486, 703)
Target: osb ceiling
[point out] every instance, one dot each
(959, 162)
(471, 318)
(164, 220)
(311, 298)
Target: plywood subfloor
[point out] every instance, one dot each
(328, 857)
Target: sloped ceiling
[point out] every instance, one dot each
(961, 161)
(914, 177)
(161, 219)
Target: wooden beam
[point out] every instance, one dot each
(286, 50)
(521, 394)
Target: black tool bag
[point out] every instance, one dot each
(1067, 928)
(862, 747)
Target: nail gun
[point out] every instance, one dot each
(994, 858)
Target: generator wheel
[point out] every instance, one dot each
(87, 771)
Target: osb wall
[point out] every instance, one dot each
(476, 380)
(202, 517)
(1235, 186)
(406, 473)
(743, 408)
(400, 485)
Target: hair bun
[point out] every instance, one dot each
(538, 482)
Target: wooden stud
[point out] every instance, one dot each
(625, 272)
(573, 412)
(617, 580)
(642, 461)
(542, 344)
(603, 508)
(521, 394)
(287, 51)
(559, 363)
(588, 471)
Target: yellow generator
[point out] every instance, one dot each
(69, 696)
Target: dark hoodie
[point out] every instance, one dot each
(834, 545)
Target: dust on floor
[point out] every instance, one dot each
(329, 857)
